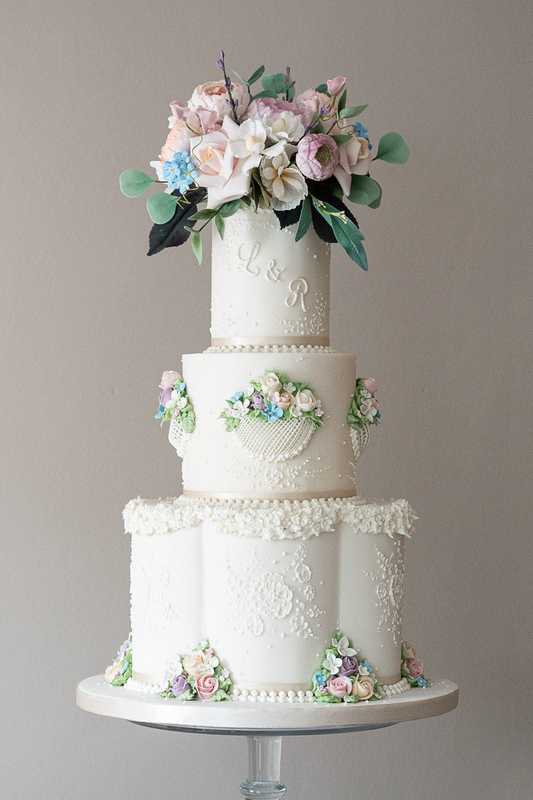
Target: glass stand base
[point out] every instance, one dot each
(264, 769)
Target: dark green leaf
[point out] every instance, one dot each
(393, 149)
(347, 234)
(274, 83)
(306, 217)
(353, 111)
(330, 192)
(341, 102)
(229, 209)
(255, 77)
(289, 217)
(134, 183)
(341, 138)
(161, 207)
(221, 225)
(196, 243)
(377, 202)
(246, 200)
(364, 190)
(322, 88)
(174, 232)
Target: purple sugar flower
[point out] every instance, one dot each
(123, 649)
(180, 685)
(349, 666)
(258, 401)
(164, 396)
(318, 156)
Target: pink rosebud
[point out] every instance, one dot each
(206, 685)
(318, 156)
(176, 413)
(414, 667)
(370, 385)
(336, 85)
(169, 378)
(339, 686)
(209, 651)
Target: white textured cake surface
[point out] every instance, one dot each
(216, 464)
(266, 288)
(269, 600)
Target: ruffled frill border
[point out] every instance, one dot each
(270, 519)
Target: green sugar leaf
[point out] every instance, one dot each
(364, 190)
(265, 93)
(196, 243)
(392, 149)
(161, 207)
(353, 111)
(377, 202)
(229, 209)
(240, 77)
(221, 225)
(274, 83)
(204, 213)
(134, 183)
(256, 75)
(341, 138)
(341, 102)
(322, 88)
(306, 218)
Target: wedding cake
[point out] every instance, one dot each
(269, 578)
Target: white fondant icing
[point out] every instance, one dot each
(267, 286)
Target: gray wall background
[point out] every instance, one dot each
(442, 319)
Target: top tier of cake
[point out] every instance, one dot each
(268, 289)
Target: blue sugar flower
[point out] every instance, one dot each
(320, 679)
(362, 132)
(181, 387)
(272, 412)
(125, 665)
(237, 396)
(378, 414)
(367, 665)
(421, 681)
(160, 412)
(180, 173)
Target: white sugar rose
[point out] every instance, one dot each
(270, 383)
(286, 399)
(305, 400)
(213, 95)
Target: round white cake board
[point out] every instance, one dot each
(237, 717)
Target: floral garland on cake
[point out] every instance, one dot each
(198, 675)
(301, 155)
(412, 668)
(273, 398)
(364, 406)
(120, 670)
(343, 676)
(174, 402)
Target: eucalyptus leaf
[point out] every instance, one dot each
(161, 207)
(266, 93)
(274, 83)
(134, 183)
(221, 225)
(322, 88)
(364, 190)
(196, 243)
(353, 111)
(306, 217)
(392, 149)
(377, 202)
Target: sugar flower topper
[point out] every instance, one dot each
(197, 675)
(344, 676)
(364, 409)
(301, 154)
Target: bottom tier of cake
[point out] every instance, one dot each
(267, 584)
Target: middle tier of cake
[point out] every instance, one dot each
(266, 457)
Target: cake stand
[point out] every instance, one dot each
(264, 723)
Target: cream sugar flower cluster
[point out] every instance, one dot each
(199, 675)
(273, 398)
(300, 154)
(344, 675)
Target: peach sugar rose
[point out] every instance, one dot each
(192, 664)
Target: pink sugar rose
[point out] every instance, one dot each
(317, 156)
(370, 385)
(213, 95)
(206, 685)
(339, 687)
(354, 159)
(177, 140)
(224, 176)
(309, 103)
(169, 378)
(414, 667)
(271, 106)
(336, 85)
